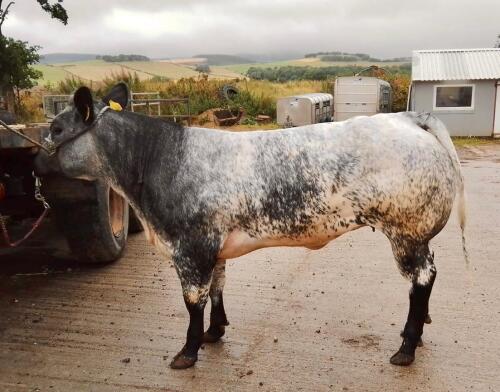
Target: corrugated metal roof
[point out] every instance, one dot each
(456, 64)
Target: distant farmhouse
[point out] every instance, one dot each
(461, 87)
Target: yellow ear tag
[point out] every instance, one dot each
(115, 105)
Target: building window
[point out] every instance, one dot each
(448, 97)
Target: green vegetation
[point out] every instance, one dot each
(464, 142)
(353, 57)
(286, 73)
(56, 11)
(17, 57)
(51, 74)
(315, 62)
(161, 69)
(243, 68)
(255, 97)
(97, 70)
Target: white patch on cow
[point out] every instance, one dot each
(194, 295)
(425, 274)
(238, 243)
(85, 178)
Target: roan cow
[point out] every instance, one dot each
(205, 196)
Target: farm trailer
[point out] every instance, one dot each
(360, 96)
(90, 219)
(304, 109)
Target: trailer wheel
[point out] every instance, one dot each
(94, 220)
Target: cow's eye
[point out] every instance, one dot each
(57, 131)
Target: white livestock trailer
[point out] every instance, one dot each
(361, 96)
(304, 109)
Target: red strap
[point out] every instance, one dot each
(6, 236)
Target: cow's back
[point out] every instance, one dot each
(321, 180)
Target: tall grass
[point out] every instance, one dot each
(255, 96)
(30, 108)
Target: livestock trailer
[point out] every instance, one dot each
(304, 109)
(361, 96)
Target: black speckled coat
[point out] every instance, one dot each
(206, 195)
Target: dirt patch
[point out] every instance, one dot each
(489, 150)
(363, 341)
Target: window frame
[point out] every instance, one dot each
(453, 108)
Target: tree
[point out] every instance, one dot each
(203, 68)
(56, 11)
(16, 57)
(16, 72)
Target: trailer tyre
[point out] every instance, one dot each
(96, 229)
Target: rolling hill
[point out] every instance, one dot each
(59, 58)
(233, 67)
(97, 70)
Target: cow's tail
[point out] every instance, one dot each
(438, 129)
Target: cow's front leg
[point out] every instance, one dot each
(218, 319)
(195, 283)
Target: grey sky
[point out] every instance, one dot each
(173, 28)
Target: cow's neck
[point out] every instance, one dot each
(133, 146)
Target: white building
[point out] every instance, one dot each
(459, 86)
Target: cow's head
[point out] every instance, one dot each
(74, 130)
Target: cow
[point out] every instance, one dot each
(205, 196)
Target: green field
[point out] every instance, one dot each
(51, 74)
(309, 62)
(161, 68)
(97, 70)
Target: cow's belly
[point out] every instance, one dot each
(239, 243)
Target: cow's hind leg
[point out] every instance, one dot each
(218, 319)
(416, 262)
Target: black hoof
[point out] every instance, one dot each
(209, 338)
(402, 359)
(180, 361)
(420, 343)
(428, 319)
(213, 335)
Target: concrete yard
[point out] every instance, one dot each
(336, 313)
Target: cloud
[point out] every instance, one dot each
(148, 24)
(187, 27)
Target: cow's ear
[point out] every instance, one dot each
(84, 104)
(117, 95)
